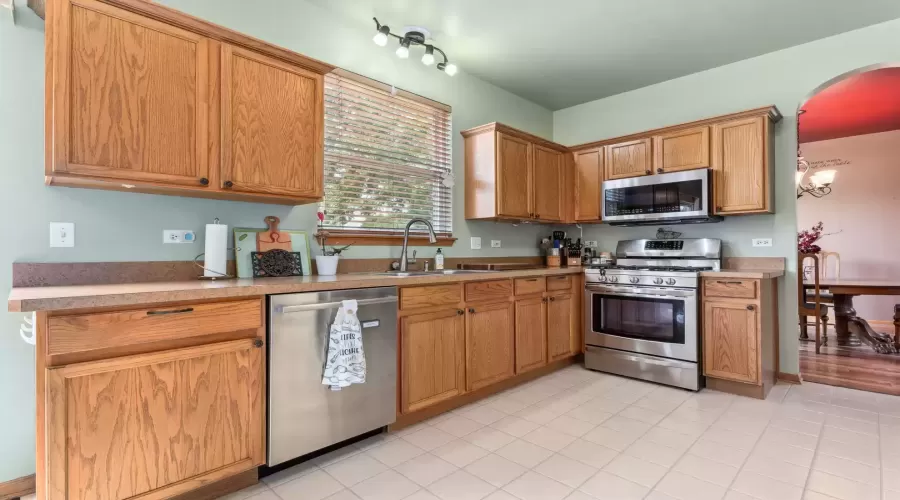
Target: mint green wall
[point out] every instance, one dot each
(127, 226)
(784, 78)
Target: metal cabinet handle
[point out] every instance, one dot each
(730, 282)
(648, 172)
(333, 305)
(718, 209)
(659, 170)
(552, 299)
(171, 311)
(204, 181)
(460, 312)
(531, 279)
(257, 343)
(472, 310)
(751, 307)
(229, 184)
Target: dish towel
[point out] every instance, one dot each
(345, 362)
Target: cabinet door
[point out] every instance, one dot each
(272, 120)
(588, 184)
(514, 177)
(129, 97)
(628, 159)
(531, 334)
(164, 423)
(548, 183)
(560, 326)
(731, 341)
(431, 358)
(740, 180)
(490, 344)
(686, 149)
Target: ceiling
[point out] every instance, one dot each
(564, 52)
(866, 103)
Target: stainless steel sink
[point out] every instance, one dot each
(403, 274)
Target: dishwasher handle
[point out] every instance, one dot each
(333, 305)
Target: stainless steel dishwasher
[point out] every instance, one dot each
(304, 415)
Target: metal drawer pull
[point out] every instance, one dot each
(172, 311)
(532, 279)
(334, 305)
(730, 282)
(751, 307)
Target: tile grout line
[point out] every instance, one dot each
(816, 452)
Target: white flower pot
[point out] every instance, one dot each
(327, 264)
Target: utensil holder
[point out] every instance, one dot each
(554, 261)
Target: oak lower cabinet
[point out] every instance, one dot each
(142, 97)
(561, 310)
(490, 344)
(513, 175)
(740, 335)
(432, 358)
(155, 425)
(531, 333)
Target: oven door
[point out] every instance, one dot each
(676, 195)
(655, 321)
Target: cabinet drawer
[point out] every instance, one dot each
(88, 332)
(559, 282)
(731, 288)
(488, 290)
(430, 296)
(527, 286)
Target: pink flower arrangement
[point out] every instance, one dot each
(806, 239)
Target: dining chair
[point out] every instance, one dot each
(827, 271)
(810, 305)
(897, 326)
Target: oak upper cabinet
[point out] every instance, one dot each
(628, 159)
(742, 162)
(490, 344)
(272, 138)
(684, 149)
(549, 177)
(588, 184)
(515, 172)
(142, 97)
(432, 366)
(560, 325)
(128, 97)
(159, 424)
(531, 333)
(731, 340)
(512, 175)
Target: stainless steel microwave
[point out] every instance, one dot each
(675, 198)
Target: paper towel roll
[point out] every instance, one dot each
(216, 250)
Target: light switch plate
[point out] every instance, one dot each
(476, 243)
(762, 242)
(178, 236)
(495, 243)
(62, 234)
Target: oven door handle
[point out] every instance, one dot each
(687, 295)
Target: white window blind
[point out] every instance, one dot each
(386, 159)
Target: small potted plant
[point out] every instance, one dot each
(327, 263)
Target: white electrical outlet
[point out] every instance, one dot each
(476, 243)
(590, 244)
(762, 242)
(178, 236)
(62, 234)
(495, 243)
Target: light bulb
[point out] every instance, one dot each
(823, 178)
(428, 56)
(403, 49)
(381, 38)
(450, 69)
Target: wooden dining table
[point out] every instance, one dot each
(847, 325)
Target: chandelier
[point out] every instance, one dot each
(819, 184)
(413, 36)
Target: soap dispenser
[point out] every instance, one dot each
(438, 260)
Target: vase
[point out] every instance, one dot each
(326, 265)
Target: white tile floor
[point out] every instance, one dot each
(582, 435)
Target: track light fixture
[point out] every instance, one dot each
(413, 36)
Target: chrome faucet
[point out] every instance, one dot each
(432, 238)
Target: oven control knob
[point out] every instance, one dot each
(634, 279)
(670, 281)
(602, 279)
(614, 279)
(657, 281)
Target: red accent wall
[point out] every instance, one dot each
(867, 103)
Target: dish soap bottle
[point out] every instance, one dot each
(438, 260)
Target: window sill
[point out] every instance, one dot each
(340, 238)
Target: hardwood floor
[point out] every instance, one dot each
(853, 367)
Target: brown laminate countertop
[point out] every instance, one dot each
(744, 273)
(52, 298)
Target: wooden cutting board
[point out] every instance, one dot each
(272, 239)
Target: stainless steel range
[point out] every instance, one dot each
(641, 315)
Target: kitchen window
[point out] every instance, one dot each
(387, 160)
